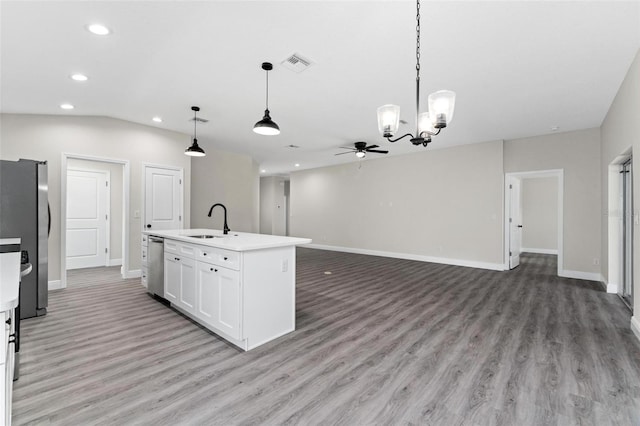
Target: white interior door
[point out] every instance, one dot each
(87, 218)
(163, 198)
(515, 223)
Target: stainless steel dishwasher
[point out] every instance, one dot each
(155, 282)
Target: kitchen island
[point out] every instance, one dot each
(240, 285)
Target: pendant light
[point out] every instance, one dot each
(194, 150)
(430, 123)
(266, 126)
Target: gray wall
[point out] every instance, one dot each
(620, 131)
(115, 199)
(46, 137)
(442, 203)
(228, 178)
(578, 154)
(539, 214)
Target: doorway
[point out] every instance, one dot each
(116, 233)
(626, 184)
(513, 216)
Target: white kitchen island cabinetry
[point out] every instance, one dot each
(240, 286)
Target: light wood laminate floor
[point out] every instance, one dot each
(378, 341)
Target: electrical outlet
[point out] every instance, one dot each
(285, 265)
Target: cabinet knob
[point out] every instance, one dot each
(176, 258)
(148, 225)
(8, 321)
(215, 270)
(204, 254)
(225, 258)
(211, 269)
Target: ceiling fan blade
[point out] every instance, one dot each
(372, 147)
(347, 147)
(378, 151)
(347, 152)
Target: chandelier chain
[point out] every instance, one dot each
(418, 40)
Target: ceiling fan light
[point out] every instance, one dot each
(388, 119)
(360, 154)
(266, 126)
(441, 106)
(194, 150)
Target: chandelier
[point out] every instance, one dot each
(428, 123)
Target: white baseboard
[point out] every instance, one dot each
(115, 262)
(635, 326)
(580, 275)
(539, 251)
(136, 273)
(611, 287)
(55, 285)
(408, 256)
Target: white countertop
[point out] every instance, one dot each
(9, 274)
(236, 241)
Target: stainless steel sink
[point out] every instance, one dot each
(203, 236)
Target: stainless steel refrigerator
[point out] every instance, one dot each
(24, 214)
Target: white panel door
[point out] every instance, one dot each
(87, 218)
(515, 223)
(163, 198)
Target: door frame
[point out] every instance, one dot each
(559, 175)
(126, 177)
(107, 239)
(144, 191)
(614, 216)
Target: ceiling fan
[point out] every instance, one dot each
(361, 149)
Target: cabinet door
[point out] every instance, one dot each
(187, 284)
(219, 298)
(172, 277)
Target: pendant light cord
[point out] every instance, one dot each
(195, 125)
(267, 97)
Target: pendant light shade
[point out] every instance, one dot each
(388, 119)
(194, 150)
(267, 126)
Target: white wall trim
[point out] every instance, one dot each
(136, 273)
(559, 174)
(635, 326)
(115, 262)
(612, 288)
(55, 285)
(409, 256)
(126, 177)
(538, 251)
(580, 275)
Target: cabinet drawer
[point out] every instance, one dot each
(225, 258)
(182, 249)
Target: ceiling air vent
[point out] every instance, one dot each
(296, 63)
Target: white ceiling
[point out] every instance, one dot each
(519, 68)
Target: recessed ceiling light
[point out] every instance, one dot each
(79, 77)
(98, 29)
(66, 106)
(297, 165)
(157, 119)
